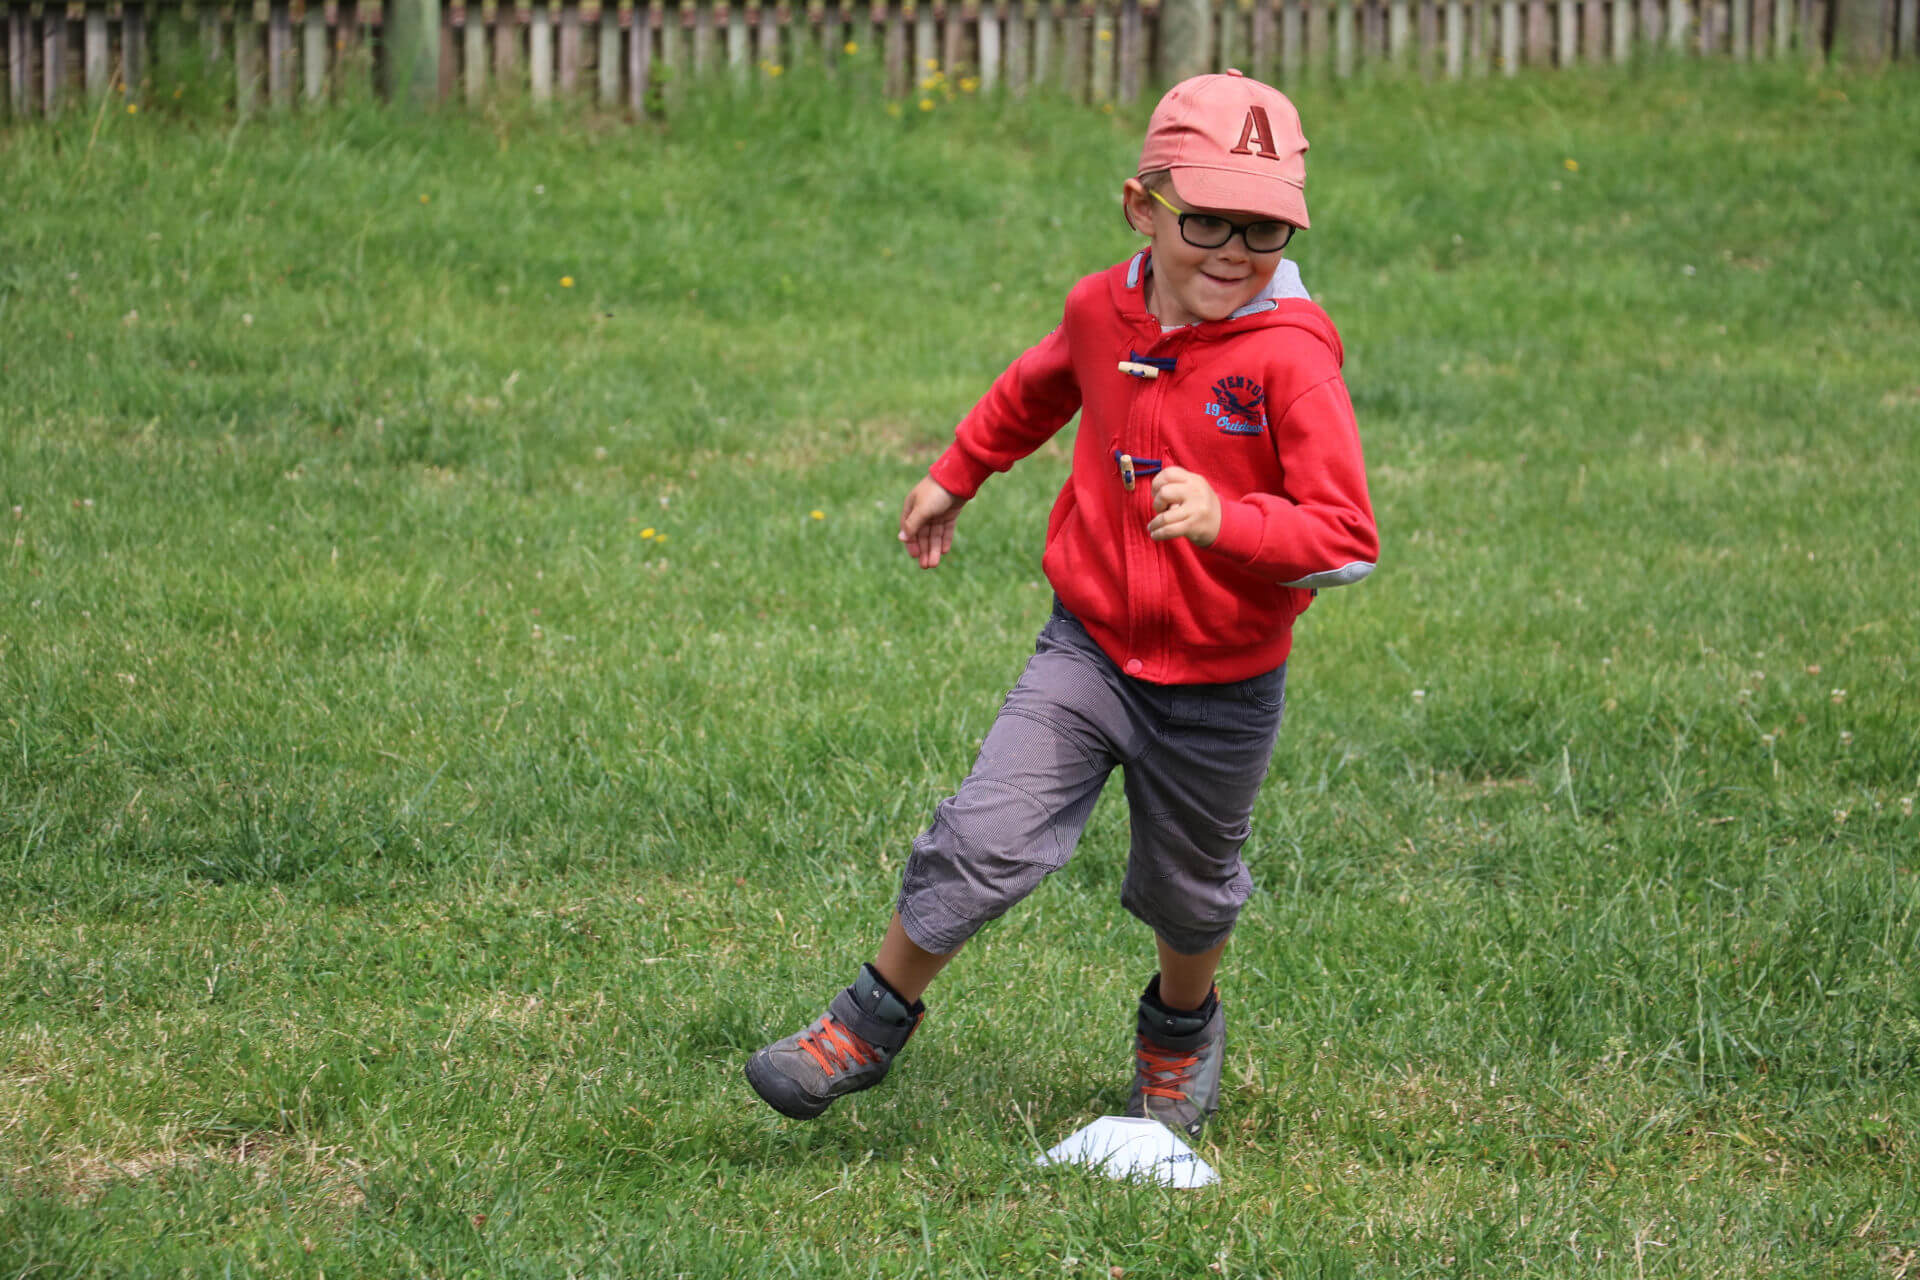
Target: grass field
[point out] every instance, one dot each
(459, 694)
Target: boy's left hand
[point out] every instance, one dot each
(1185, 506)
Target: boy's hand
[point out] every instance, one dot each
(1186, 507)
(926, 522)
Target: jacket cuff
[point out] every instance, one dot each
(959, 473)
(1240, 527)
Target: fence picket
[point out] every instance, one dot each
(280, 55)
(313, 52)
(1133, 51)
(1045, 44)
(93, 62)
(1345, 20)
(540, 53)
(989, 47)
(767, 45)
(19, 78)
(1073, 47)
(952, 25)
(699, 41)
(1509, 37)
(569, 48)
(639, 58)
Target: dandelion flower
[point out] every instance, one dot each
(926, 104)
(1573, 166)
(425, 198)
(647, 532)
(817, 514)
(969, 83)
(1105, 34)
(893, 109)
(566, 282)
(133, 108)
(850, 48)
(933, 64)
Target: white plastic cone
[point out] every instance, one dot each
(1123, 1147)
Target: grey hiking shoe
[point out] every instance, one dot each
(1176, 1062)
(846, 1049)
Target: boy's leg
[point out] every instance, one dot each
(1191, 801)
(1015, 819)
(1186, 981)
(908, 967)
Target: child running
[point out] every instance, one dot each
(1217, 484)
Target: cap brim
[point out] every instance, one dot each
(1234, 191)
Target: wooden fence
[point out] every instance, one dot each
(632, 54)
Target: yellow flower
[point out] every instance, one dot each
(817, 514)
(1573, 166)
(926, 104)
(662, 538)
(424, 197)
(1106, 35)
(893, 109)
(969, 83)
(850, 48)
(566, 282)
(647, 532)
(133, 108)
(933, 64)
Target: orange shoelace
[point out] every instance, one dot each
(1165, 1069)
(834, 1040)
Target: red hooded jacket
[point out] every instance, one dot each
(1255, 404)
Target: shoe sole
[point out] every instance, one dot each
(777, 1092)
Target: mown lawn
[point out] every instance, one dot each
(459, 694)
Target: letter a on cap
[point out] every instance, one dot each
(1256, 129)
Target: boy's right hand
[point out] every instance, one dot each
(926, 522)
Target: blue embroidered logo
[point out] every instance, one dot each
(1238, 406)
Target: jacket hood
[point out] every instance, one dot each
(1283, 303)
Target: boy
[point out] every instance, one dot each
(1217, 483)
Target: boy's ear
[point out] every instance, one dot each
(1137, 205)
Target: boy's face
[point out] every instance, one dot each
(1189, 284)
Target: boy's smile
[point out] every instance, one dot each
(1191, 284)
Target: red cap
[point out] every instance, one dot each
(1232, 143)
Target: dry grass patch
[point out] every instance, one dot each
(322, 1174)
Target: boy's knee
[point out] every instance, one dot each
(973, 864)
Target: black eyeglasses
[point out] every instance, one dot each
(1208, 231)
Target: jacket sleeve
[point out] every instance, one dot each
(1318, 530)
(1034, 398)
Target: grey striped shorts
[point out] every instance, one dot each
(1194, 758)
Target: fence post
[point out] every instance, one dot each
(411, 29)
(1185, 49)
(1860, 32)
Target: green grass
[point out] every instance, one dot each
(400, 849)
